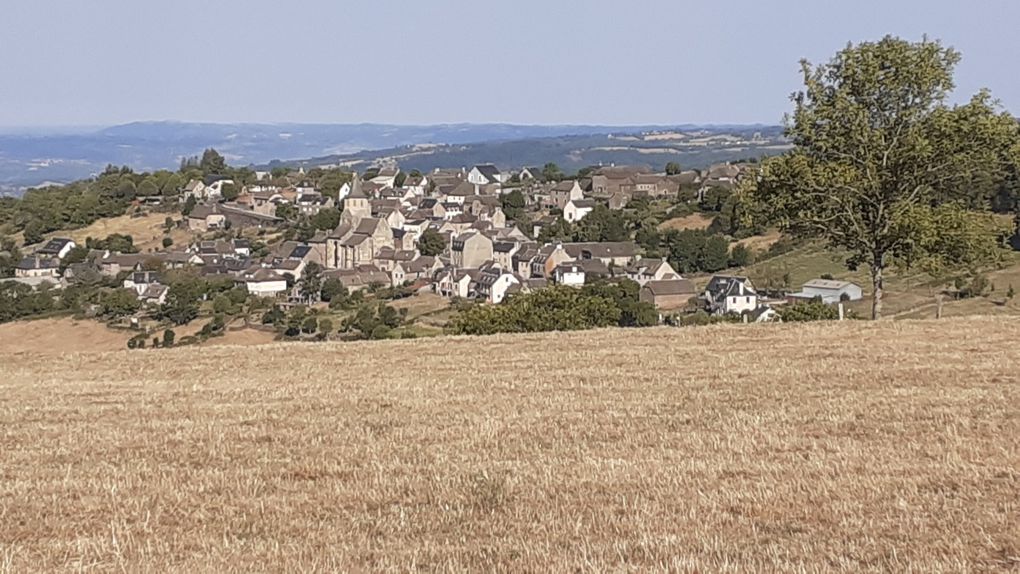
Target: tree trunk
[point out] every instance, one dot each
(878, 290)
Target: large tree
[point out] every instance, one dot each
(882, 164)
(213, 163)
(431, 243)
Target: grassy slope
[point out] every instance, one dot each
(908, 295)
(857, 446)
(147, 231)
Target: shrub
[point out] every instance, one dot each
(978, 286)
(813, 310)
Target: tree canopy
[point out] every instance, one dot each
(882, 164)
(431, 243)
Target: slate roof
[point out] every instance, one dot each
(488, 170)
(670, 287)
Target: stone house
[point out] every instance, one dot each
(667, 294)
(470, 250)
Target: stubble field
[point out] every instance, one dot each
(853, 447)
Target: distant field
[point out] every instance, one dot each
(692, 221)
(147, 231)
(59, 336)
(891, 446)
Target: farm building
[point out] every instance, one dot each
(830, 291)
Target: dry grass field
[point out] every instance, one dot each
(58, 336)
(853, 447)
(692, 221)
(147, 231)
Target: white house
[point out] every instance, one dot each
(830, 291)
(387, 177)
(416, 184)
(644, 270)
(576, 209)
(215, 189)
(139, 281)
(154, 294)
(37, 267)
(57, 247)
(195, 189)
(729, 294)
(570, 274)
(532, 173)
(455, 282)
(493, 282)
(485, 174)
(264, 283)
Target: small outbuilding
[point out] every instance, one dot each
(830, 291)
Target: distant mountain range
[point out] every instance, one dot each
(29, 158)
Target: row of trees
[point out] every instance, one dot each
(370, 320)
(560, 308)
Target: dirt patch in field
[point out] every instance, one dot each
(692, 221)
(761, 242)
(421, 304)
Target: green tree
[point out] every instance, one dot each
(212, 163)
(326, 219)
(183, 299)
(115, 242)
(716, 254)
(287, 212)
(813, 310)
(880, 159)
(126, 190)
(118, 303)
(513, 204)
(741, 256)
(33, 233)
(167, 242)
(189, 205)
(559, 230)
(230, 191)
(172, 186)
(148, 187)
(169, 337)
(673, 168)
(274, 316)
(325, 327)
(552, 172)
(10, 256)
(311, 282)
(333, 290)
(431, 243)
(222, 304)
(310, 325)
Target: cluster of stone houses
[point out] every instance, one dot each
(376, 243)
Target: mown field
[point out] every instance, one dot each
(855, 447)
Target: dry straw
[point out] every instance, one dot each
(854, 447)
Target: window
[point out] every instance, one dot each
(748, 300)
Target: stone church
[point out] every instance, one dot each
(359, 236)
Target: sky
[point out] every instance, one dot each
(623, 62)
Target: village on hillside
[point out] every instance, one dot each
(480, 235)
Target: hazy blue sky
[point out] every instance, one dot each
(80, 62)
